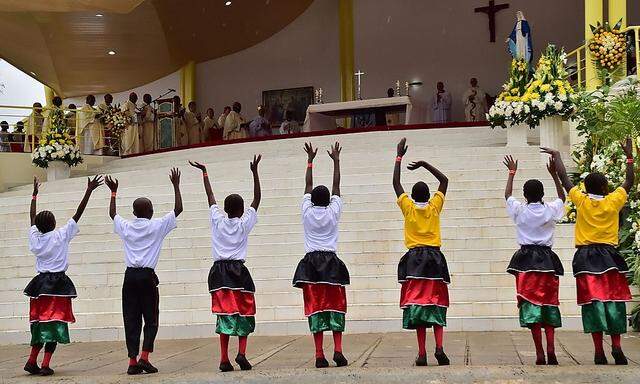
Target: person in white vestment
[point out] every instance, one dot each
(147, 119)
(129, 140)
(233, 123)
(34, 127)
(103, 109)
(475, 102)
(89, 135)
(211, 131)
(181, 133)
(193, 120)
(260, 126)
(441, 105)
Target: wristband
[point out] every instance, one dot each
(113, 194)
(34, 197)
(205, 174)
(512, 172)
(630, 160)
(398, 159)
(309, 165)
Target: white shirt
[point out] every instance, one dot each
(321, 224)
(535, 222)
(229, 237)
(143, 238)
(52, 248)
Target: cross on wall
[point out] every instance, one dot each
(491, 11)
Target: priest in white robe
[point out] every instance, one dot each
(147, 119)
(233, 124)
(129, 140)
(441, 105)
(475, 102)
(179, 125)
(89, 132)
(34, 126)
(193, 120)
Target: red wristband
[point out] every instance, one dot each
(113, 194)
(309, 165)
(512, 172)
(398, 159)
(205, 174)
(630, 160)
(34, 197)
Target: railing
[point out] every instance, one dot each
(576, 59)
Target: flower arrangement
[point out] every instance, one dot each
(56, 144)
(509, 105)
(116, 122)
(608, 46)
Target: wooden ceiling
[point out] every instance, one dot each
(65, 43)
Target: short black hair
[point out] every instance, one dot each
(320, 196)
(45, 221)
(146, 98)
(143, 208)
(596, 183)
(234, 205)
(57, 101)
(533, 191)
(420, 192)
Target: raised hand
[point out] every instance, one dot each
(201, 167)
(550, 151)
(175, 177)
(254, 164)
(417, 164)
(551, 167)
(335, 151)
(112, 183)
(311, 153)
(402, 147)
(627, 147)
(94, 183)
(511, 164)
(36, 186)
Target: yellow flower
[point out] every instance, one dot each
(514, 91)
(52, 142)
(545, 88)
(535, 96)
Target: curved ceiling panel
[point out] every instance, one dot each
(65, 44)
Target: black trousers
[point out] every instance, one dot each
(140, 301)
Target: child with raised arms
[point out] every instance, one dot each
(230, 283)
(536, 267)
(599, 269)
(142, 240)
(51, 290)
(423, 271)
(320, 274)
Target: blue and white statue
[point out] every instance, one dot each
(520, 43)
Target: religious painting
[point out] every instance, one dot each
(279, 101)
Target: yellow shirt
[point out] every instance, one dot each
(597, 221)
(421, 221)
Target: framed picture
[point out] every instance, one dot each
(278, 101)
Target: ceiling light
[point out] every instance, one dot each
(99, 15)
(32, 73)
(112, 53)
(228, 3)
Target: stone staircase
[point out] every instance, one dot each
(478, 237)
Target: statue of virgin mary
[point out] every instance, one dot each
(519, 41)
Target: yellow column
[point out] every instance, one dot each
(188, 83)
(49, 94)
(593, 11)
(346, 49)
(617, 11)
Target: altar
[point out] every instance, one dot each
(321, 117)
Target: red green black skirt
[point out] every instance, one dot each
(424, 296)
(50, 309)
(537, 270)
(322, 276)
(602, 288)
(232, 298)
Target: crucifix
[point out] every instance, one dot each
(358, 82)
(491, 11)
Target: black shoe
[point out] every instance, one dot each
(421, 361)
(340, 360)
(321, 362)
(552, 359)
(242, 361)
(600, 359)
(46, 371)
(32, 368)
(146, 366)
(441, 357)
(618, 356)
(226, 366)
(134, 370)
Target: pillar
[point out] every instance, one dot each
(188, 83)
(617, 11)
(49, 94)
(593, 13)
(346, 49)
